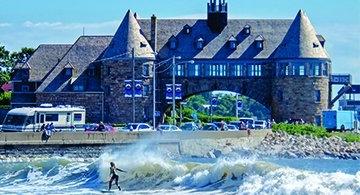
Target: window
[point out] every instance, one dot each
(146, 70)
(77, 117)
(143, 127)
(317, 70)
(30, 120)
(68, 71)
(255, 70)
(317, 95)
(218, 70)
(302, 70)
(179, 70)
(68, 117)
(187, 29)
(196, 70)
(232, 42)
(259, 40)
(287, 69)
(200, 43)
(239, 70)
(294, 70)
(172, 45)
(325, 69)
(247, 29)
(78, 87)
(145, 90)
(25, 88)
(52, 117)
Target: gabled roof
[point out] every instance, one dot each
(127, 37)
(69, 65)
(259, 38)
(85, 51)
(44, 58)
(300, 41)
(232, 38)
(216, 45)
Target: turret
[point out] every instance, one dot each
(217, 15)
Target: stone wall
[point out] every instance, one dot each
(299, 98)
(118, 108)
(91, 101)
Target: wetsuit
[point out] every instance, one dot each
(114, 176)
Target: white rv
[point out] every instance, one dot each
(64, 118)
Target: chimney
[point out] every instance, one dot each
(153, 41)
(135, 15)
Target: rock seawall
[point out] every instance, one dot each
(289, 146)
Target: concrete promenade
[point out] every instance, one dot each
(17, 146)
(96, 138)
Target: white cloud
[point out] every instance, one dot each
(70, 26)
(5, 24)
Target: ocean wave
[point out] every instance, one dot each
(153, 171)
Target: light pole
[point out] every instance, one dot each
(173, 91)
(133, 84)
(155, 66)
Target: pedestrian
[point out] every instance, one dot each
(101, 126)
(42, 128)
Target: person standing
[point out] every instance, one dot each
(114, 176)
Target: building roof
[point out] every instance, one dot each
(44, 58)
(215, 45)
(81, 55)
(300, 41)
(127, 37)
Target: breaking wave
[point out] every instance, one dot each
(153, 171)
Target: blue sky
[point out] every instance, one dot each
(32, 22)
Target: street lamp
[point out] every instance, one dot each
(155, 66)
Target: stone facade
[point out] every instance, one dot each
(295, 98)
(118, 108)
(92, 102)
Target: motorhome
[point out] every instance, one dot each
(64, 118)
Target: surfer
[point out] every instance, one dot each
(114, 176)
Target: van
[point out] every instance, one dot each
(64, 118)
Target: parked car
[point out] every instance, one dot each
(221, 125)
(95, 127)
(260, 124)
(235, 123)
(210, 127)
(168, 128)
(232, 128)
(249, 122)
(189, 126)
(138, 127)
(296, 121)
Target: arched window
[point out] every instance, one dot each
(259, 41)
(247, 29)
(232, 42)
(200, 43)
(187, 29)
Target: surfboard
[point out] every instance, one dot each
(107, 191)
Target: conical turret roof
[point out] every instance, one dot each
(300, 41)
(127, 37)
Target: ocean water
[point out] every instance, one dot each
(154, 171)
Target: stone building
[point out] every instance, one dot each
(281, 63)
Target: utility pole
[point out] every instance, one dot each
(133, 84)
(154, 95)
(173, 90)
(236, 106)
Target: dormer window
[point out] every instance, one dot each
(68, 69)
(247, 29)
(200, 43)
(232, 42)
(259, 41)
(187, 29)
(173, 42)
